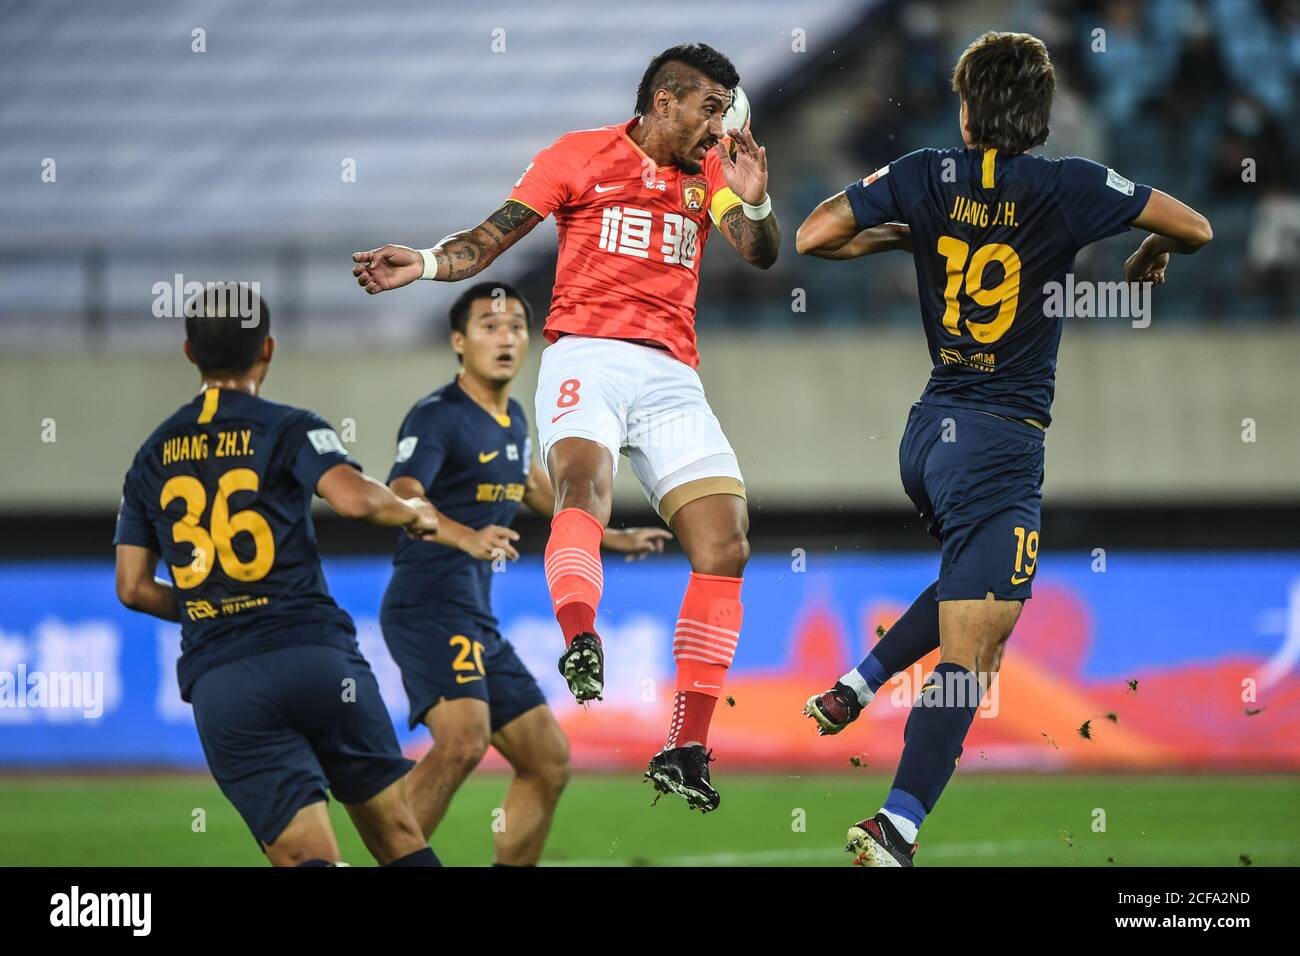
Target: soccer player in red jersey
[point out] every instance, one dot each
(634, 204)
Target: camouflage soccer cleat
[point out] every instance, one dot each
(583, 666)
(833, 710)
(685, 772)
(877, 842)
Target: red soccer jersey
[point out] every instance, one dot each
(631, 236)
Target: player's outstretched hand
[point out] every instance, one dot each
(636, 543)
(388, 267)
(425, 526)
(747, 173)
(487, 543)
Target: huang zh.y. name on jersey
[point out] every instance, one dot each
(222, 492)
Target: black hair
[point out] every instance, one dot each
(665, 72)
(496, 291)
(226, 327)
(1006, 81)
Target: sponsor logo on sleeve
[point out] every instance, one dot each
(882, 171)
(325, 441)
(1118, 183)
(406, 448)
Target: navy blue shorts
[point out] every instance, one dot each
(452, 657)
(978, 480)
(281, 726)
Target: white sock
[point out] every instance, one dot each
(905, 827)
(858, 684)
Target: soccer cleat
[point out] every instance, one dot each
(685, 772)
(583, 666)
(877, 842)
(834, 709)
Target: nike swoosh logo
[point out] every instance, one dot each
(561, 415)
(484, 458)
(607, 189)
(1020, 581)
(708, 686)
(463, 679)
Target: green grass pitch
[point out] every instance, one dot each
(984, 819)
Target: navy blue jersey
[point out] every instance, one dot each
(990, 233)
(474, 466)
(222, 491)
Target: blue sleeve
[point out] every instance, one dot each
(887, 194)
(133, 524)
(314, 448)
(421, 446)
(1098, 202)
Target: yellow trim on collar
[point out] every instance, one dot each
(211, 396)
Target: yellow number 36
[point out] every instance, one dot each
(218, 542)
(1005, 295)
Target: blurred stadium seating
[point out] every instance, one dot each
(231, 162)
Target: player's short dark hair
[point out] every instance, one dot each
(1007, 82)
(666, 72)
(458, 316)
(226, 326)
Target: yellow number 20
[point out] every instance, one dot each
(1005, 295)
(462, 661)
(218, 543)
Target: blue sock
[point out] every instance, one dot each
(913, 635)
(425, 857)
(932, 741)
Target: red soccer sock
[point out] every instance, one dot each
(573, 570)
(704, 644)
(692, 714)
(576, 618)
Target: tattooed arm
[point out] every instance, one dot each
(831, 232)
(458, 256)
(757, 241)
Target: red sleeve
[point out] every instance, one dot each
(545, 184)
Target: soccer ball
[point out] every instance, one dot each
(736, 117)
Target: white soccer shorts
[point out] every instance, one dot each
(642, 402)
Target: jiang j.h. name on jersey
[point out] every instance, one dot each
(989, 234)
(474, 468)
(222, 491)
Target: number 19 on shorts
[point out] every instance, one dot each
(1026, 555)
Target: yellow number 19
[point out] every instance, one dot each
(1005, 295)
(1026, 548)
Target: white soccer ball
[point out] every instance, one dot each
(736, 117)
